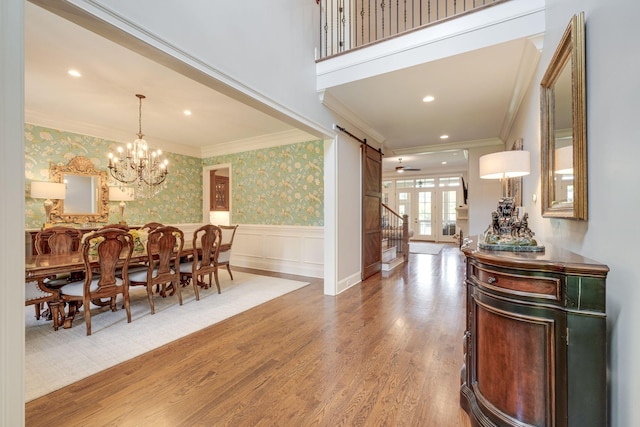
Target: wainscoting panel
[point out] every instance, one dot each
(284, 249)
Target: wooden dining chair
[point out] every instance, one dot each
(109, 245)
(150, 226)
(164, 247)
(57, 241)
(223, 257)
(36, 293)
(201, 261)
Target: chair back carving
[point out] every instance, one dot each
(58, 240)
(111, 250)
(110, 244)
(150, 226)
(223, 257)
(164, 248)
(206, 240)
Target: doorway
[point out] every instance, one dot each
(214, 209)
(429, 202)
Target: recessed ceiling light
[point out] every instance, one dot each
(187, 112)
(444, 136)
(74, 73)
(443, 163)
(428, 98)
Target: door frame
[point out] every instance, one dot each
(206, 190)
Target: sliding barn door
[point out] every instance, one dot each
(371, 211)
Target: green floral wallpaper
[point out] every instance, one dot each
(179, 202)
(281, 185)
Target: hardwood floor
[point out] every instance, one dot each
(387, 352)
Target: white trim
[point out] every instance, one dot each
(264, 141)
(331, 217)
(281, 248)
(12, 221)
(206, 190)
(497, 24)
(349, 282)
(284, 249)
(341, 110)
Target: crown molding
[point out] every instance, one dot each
(461, 145)
(341, 110)
(256, 143)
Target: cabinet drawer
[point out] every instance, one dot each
(529, 286)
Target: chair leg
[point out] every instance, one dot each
(127, 304)
(194, 281)
(215, 273)
(87, 316)
(178, 288)
(229, 270)
(150, 296)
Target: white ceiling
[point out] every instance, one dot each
(474, 98)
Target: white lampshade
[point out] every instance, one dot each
(48, 190)
(505, 164)
(117, 194)
(564, 160)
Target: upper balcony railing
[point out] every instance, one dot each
(349, 24)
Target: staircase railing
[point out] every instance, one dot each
(395, 231)
(349, 24)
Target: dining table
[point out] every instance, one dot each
(40, 267)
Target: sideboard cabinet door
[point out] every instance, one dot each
(535, 340)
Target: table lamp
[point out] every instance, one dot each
(122, 195)
(48, 191)
(507, 232)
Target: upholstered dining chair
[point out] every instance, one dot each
(164, 247)
(206, 240)
(37, 294)
(57, 241)
(150, 226)
(109, 244)
(224, 252)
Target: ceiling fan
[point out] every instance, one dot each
(402, 168)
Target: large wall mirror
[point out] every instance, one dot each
(87, 195)
(564, 129)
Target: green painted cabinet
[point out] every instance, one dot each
(535, 339)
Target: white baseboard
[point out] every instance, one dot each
(348, 282)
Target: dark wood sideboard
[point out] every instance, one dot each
(535, 339)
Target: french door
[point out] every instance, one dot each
(430, 204)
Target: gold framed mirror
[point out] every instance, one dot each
(564, 129)
(87, 195)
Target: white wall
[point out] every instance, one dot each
(11, 213)
(273, 60)
(611, 234)
(349, 213)
(483, 193)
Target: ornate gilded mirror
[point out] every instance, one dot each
(87, 195)
(564, 129)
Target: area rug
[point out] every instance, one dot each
(428, 248)
(54, 359)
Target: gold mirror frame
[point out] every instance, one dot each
(82, 166)
(570, 53)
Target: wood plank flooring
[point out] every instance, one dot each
(387, 352)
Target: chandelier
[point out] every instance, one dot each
(138, 166)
